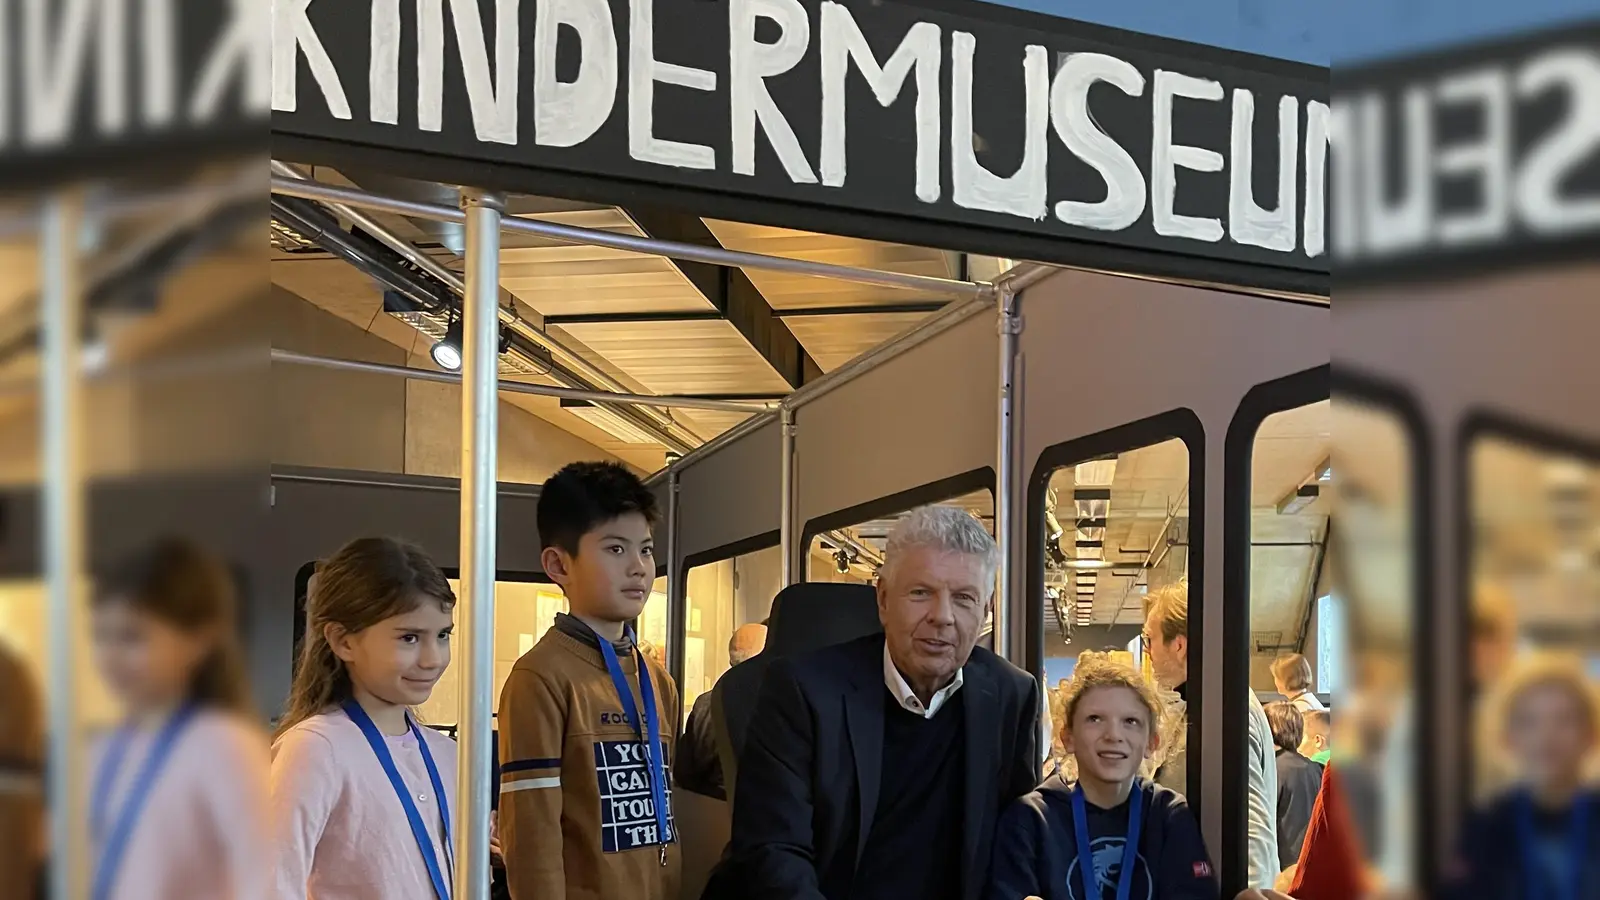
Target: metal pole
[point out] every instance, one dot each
(1005, 482)
(786, 529)
(475, 616)
(518, 387)
(63, 532)
(677, 615)
(571, 234)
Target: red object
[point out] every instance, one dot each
(1202, 870)
(1331, 867)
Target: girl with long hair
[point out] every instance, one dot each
(178, 802)
(362, 794)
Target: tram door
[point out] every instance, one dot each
(1174, 442)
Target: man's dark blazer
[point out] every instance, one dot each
(809, 774)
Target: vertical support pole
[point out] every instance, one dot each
(475, 614)
(677, 615)
(1006, 489)
(786, 525)
(64, 530)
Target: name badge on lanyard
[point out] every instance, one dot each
(114, 844)
(649, 731)
(1577, 845)
(1130, 846)
(380, 748)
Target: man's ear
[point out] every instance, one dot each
(1180, 648)
(557, 565)
(1155, 742)
(338, 641)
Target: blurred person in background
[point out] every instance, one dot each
(698, 767)
(1540, 837)
(1166, 639)
(362, 794)
(1292, 676)
(22, 838)
(178, 799)
(1299, 780)
(1316, 742)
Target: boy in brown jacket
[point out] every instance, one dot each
(587, 721)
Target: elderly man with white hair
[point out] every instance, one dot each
(876, 769)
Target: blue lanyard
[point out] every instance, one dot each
(1577, 850)
(651, 731)
(1130, 847)
(115, 845)
(380, 747)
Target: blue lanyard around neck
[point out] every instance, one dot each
(115, 842)
(1130, 846)
(1576, 851)
(380, 747)
(649, 734)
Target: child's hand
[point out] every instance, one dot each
(494, 840)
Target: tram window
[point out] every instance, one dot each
(722, 596)
(1116, 528)
(1374, 738)
(523, 612)
(1535, 590)
(24, 636)
(1290, 482)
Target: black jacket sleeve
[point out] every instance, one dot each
(1025, 761)
(1018, 840)
(698, 767)
(772, 847)
(1186, 869)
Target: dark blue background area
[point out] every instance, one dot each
(1321, 32)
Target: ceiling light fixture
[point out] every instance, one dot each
(446, 352)
(1084, 563)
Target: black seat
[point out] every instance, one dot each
(805, 617)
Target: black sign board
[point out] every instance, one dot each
(105, 87)
(1469, 160)
(947, 122)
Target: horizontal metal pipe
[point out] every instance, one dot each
(517, 387)
(307, 478)
(1024, 275)
(651, 246)
(926, 330)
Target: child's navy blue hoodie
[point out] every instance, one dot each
(1036, 855)
(1491, 863)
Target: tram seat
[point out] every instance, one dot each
(805, 617)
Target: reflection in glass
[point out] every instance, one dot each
(1374, 740)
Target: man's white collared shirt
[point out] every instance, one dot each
(907, 698)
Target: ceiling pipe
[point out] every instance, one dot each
(567, 366)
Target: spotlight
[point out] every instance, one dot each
(841, 560)
(447, 352)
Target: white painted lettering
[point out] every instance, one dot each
(1402, 224)
(493, 103)
(1318, 137)
(1487, 159)
(843, 42)
(1166, 158)
(1346, 181)
(430, 64)
(1549, 164)
(52, 66)
(161, 61)
(1248, 222)
(293, 35)
(566, 114)
(644, 70)
(750, 62)
(975, 187)
(1076, 127)
(244, 47)
(383, 66)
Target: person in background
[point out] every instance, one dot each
(22, 752)
(877, 769)
(178, 806)
(1541, 837)
(1113, 833)
(1317, 741)
(1292, 676)
(588, 721)
(698, 767)
(362, 794)
(1299, 780)
(1166, 635)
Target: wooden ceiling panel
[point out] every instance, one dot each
(788, 291)
(703, 357)
(835, 340)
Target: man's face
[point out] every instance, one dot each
(932, 603)
(1170, 660)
